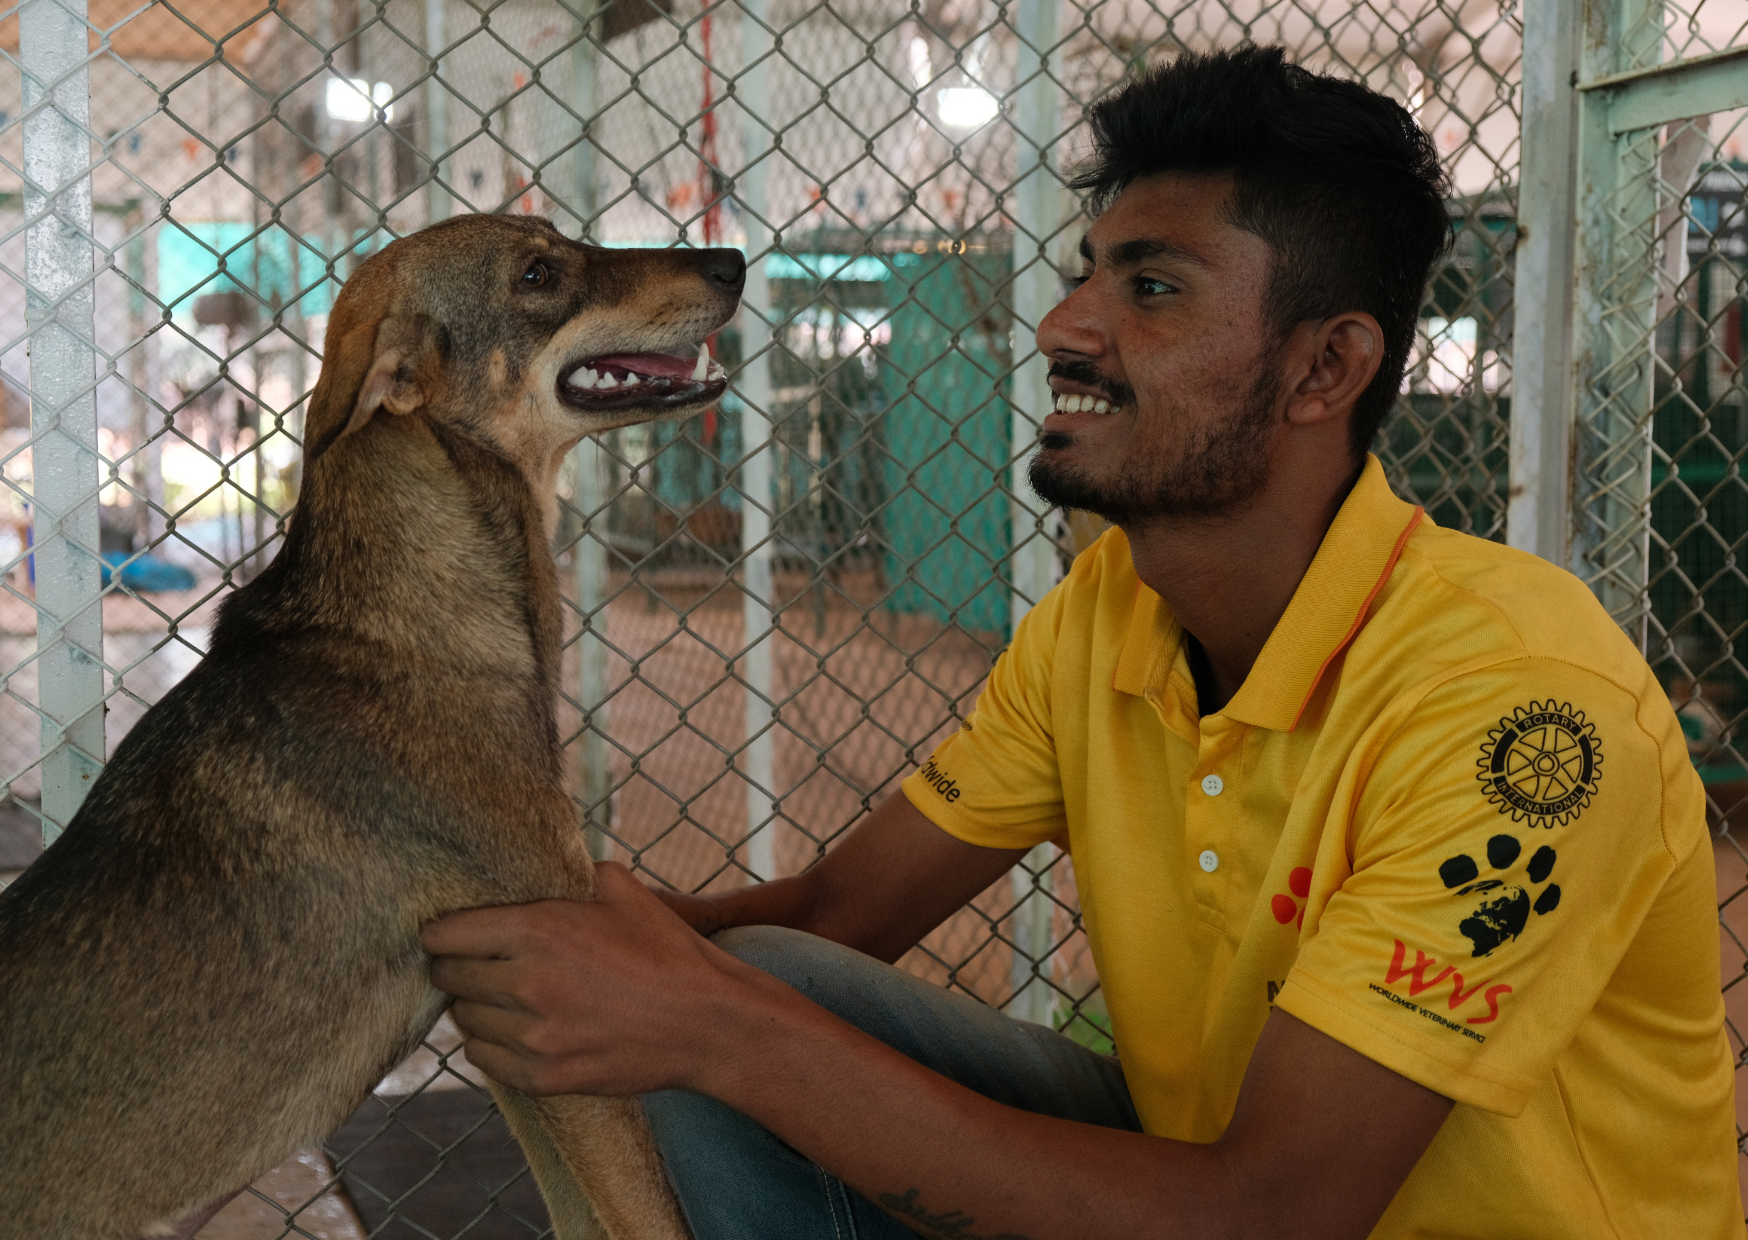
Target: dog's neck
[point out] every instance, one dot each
(418, 540)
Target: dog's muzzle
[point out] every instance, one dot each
(627, 380)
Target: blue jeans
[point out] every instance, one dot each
(736, 1181)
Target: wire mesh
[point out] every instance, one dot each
(777, 608)
(1686, 258)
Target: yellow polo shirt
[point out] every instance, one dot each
(1448, 820)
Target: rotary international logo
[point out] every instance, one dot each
(1542, 763)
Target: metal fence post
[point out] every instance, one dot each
(437, 200)
(1538, 513)
(757, 763)
(60, 317)
(592, 492)
(1036, 211)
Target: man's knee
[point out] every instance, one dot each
(791, 956)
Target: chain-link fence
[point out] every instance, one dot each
(778, 607)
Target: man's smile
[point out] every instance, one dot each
(1071, 403)
(1078, 387)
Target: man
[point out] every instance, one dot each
(1390, 855)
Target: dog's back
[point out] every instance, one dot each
(209, 934)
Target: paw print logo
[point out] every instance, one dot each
(1504, 909)
(1284, 907)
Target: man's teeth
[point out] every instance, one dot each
(703, 367)
(1082, 404)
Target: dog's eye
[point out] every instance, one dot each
(536, 275)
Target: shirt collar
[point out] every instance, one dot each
(1326, 612)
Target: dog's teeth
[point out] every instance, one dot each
(608, 381)
(703, 367)
(1103, 406)
(588, 378)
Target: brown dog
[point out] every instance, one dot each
(219, 958)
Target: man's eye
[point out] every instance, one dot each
(536, 275)
(1077, 281)
(1149, 287)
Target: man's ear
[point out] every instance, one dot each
(1342, 357)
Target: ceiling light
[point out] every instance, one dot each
(966, 107)
(353, 99)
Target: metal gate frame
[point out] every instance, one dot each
(1594, 99)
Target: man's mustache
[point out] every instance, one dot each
(1087, 375)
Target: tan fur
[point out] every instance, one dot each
(219, 958)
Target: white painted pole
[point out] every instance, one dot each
(437, 199)
(592, 493)
(583, 54)
(60, 319)
(1037, 214)
(1539, 513)
(589, 565)
(753, 385)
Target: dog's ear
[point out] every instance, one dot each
(402, 374)
(371, 361)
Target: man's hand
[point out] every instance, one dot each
(610, 998)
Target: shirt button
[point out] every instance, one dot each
(1209, 860)
(1213, 785)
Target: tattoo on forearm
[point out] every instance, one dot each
(947, 1225)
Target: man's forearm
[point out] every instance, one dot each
(782, 902)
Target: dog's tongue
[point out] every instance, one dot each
(655, 365)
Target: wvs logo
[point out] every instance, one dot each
(1542, 763)
(1419, 983)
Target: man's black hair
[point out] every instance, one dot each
(1340, 181)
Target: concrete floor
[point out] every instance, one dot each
(302, 1192)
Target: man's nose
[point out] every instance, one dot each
(1075, 326)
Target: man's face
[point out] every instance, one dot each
(1168, 329)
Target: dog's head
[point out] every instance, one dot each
(500, 325)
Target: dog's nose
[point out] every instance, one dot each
(727, 269)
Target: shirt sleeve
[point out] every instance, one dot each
(1508, 837)
(995, 782)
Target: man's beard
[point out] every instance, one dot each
(1217, 473)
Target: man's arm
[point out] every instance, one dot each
(619, 997)
(891, 880)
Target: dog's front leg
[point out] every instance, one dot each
(597, 1166)
(572, 1216)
